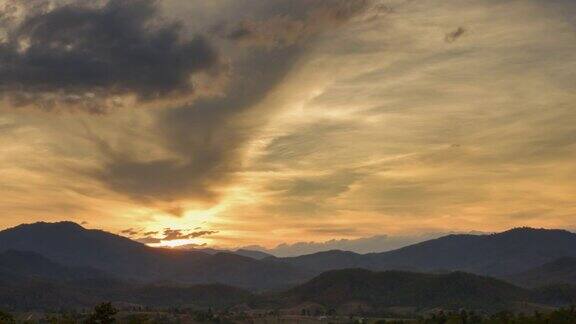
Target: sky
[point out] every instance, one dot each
(290, 125)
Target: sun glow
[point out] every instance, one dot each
(177, 243)
(193, 221)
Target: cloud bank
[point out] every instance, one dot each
(92, 57)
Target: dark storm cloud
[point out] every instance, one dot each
(209, 137)
(84, 56)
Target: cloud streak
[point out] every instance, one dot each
(283, 30)
(454, 35)
(168, 234)
(207, 140)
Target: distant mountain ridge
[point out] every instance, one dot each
(495, 254)
(258, 255)
(500, 254)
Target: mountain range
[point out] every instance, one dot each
(32, 282)
(514, 253)
(58, 264)
(70, 244)
(500, 254)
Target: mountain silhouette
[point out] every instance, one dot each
(501, 254)
(63, 265)
(495, 254)
(72, 245)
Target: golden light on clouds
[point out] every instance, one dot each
(384, 117)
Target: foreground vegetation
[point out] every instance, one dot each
(106, 314)
(560, 316)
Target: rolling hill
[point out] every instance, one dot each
(328, 260)
(29, 281)
(20, 266)
(558, 272)
(50, 294)
(379, 290)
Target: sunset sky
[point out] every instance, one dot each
(258, 122)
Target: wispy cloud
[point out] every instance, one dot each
(168, 234)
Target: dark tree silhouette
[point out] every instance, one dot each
(103, 314)
(6, 318)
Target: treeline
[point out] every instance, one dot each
(105, 313)
(560, 316)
